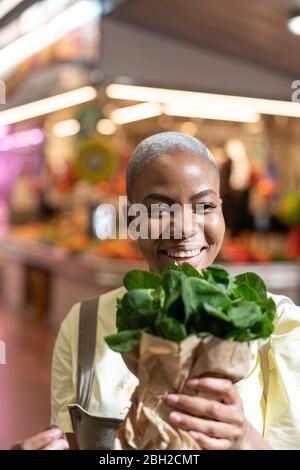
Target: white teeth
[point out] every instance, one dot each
(183, 254)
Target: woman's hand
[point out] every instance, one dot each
(217, 423)
(51, 439)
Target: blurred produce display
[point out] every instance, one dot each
(64, 233)
(74, 160)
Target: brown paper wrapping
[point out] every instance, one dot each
(163, 367)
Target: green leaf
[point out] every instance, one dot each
(173, 301)
(172, 329)
(137, 279)
(190, 300)
(136, 300)
(173, 266)
(172, 286)
(245, 314)
(204, 333)
(217, 327)
(125, 341)
(268, 306)
(230, 286)
(237, 334)
(159, 297)
(144, 318)
(123, 320)
(204, 291)
(246, 292)
(181, 302)
(254, 281)
(217, 273)
(197, 292)
(202, 286)
(119, 300)
(171, 281)
(262, 329)
(134, 310)
(189, 270)
(211, 310)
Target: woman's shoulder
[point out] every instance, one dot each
(287, 319)
(107, 302)
(110, 298)
(282, 303)
(281, 300)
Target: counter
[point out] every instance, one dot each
(49, 280)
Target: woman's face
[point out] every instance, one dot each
(186, 179)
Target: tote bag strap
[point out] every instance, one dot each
(86, 350)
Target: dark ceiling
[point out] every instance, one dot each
(251, 30)
(254, 31)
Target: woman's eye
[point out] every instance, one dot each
(156, 211)
(200, 208)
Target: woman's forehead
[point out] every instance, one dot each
(178, 161)
(177, 174)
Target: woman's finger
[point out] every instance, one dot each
(210, 443)
(203, 408)
(41, 440)
(222, 387)
(59, 444)
(205, 426)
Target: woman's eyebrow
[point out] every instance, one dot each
(171, 200)
(160, 197)
(204, 193)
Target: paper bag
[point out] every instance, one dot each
(163, 367)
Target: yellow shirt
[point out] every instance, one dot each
(270, 392)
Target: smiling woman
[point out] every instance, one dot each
(178, 170)
(259, 412)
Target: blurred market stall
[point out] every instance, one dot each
(66, 134)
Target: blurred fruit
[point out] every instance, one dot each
(117, 249)
(289, 209)
(293, 243)
(234, 252)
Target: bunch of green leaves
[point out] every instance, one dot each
(181, 302)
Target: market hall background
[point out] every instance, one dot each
(74, 103)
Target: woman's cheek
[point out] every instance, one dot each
(149, 253)
(144, 248)
(214, 228)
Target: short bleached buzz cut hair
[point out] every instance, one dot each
(164, 143)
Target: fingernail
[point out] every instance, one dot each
(193, 382)
(55, 433)
(194, 434)
(175, 417)
(59, 445)
(172, 398)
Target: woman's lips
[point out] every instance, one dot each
(181, 256)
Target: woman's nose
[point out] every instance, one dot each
(187, 224)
